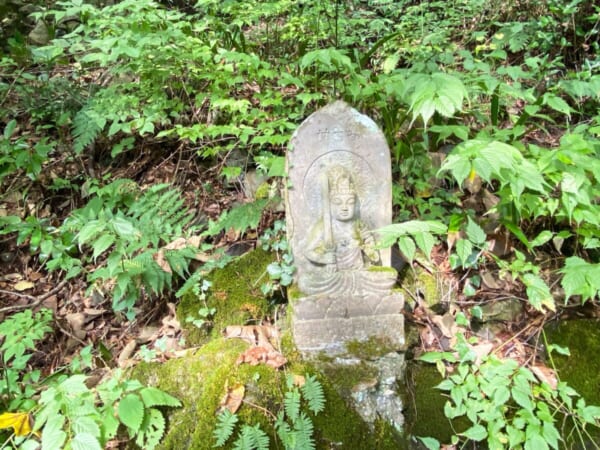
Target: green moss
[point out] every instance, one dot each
(582, 369)
(424, 410)
(370, 349)
(382, 269)
(424, 284)
(235, 294)
(346, 377)
(200, 380)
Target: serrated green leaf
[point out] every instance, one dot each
(534, 440)
(152, 396)
(53, 436)
(475, 233)
(125, 228)
(131, 412)
(86, 425)
(89, 231)
(522, 397)
(85, 441)
(476, 433)
(425, 241)
(152, 430)
(464, 248)
(101, 244)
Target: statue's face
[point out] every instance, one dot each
(342, 206)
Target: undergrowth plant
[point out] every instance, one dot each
(292, 423)
(506, 405)
(65, 411)
(125, 233)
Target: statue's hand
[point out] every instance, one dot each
(329, 258)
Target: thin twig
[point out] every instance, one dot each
(36, 300)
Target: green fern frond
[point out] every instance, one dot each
(87, 125)
(291, 404)
(225, 424)
(312, 391)
(303, 428)
(252, 438)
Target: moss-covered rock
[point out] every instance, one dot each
(235, 294)
(428, 285)
(582, 369)
(201, 378)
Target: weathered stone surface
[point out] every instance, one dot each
(339, 192)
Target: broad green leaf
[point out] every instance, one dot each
(538, 292)
(522, 397)
(557, 103)
(125, 228)
(85, 441)
(475, 233)
(476, 433)
(425, 241)
(131, 412)
(534, 440)
(86, 425)
(550, 434)
(155, 397)
(407, 247)
(430, 443)
(464, 248)
(90, 230)
(101, 244)
(542, 238)
(53, 436)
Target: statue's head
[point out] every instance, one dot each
(342, 195)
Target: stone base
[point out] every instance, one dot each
(328, 324)
(331, 335)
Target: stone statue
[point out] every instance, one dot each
(340, 246)
(338, 194)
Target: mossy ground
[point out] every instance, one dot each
(581, 370)
(200, 379)
(235, 294)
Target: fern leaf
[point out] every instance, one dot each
(312, 391)
(284, 431)
(291, 404)
(225, 424)
(87, 125)
(303, 428)
(252, 438)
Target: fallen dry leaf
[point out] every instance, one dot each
(258, 335)
(124, 357)
(232, 399)
(545, 375)
(23, 286)
(446, 324)
(481, 350)
(298, 380)
(178, 244)
(19, 422)
(258, 355)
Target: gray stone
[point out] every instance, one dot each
(339, 193)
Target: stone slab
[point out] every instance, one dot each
(330, 336)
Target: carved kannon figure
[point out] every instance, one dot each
(340, 246)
